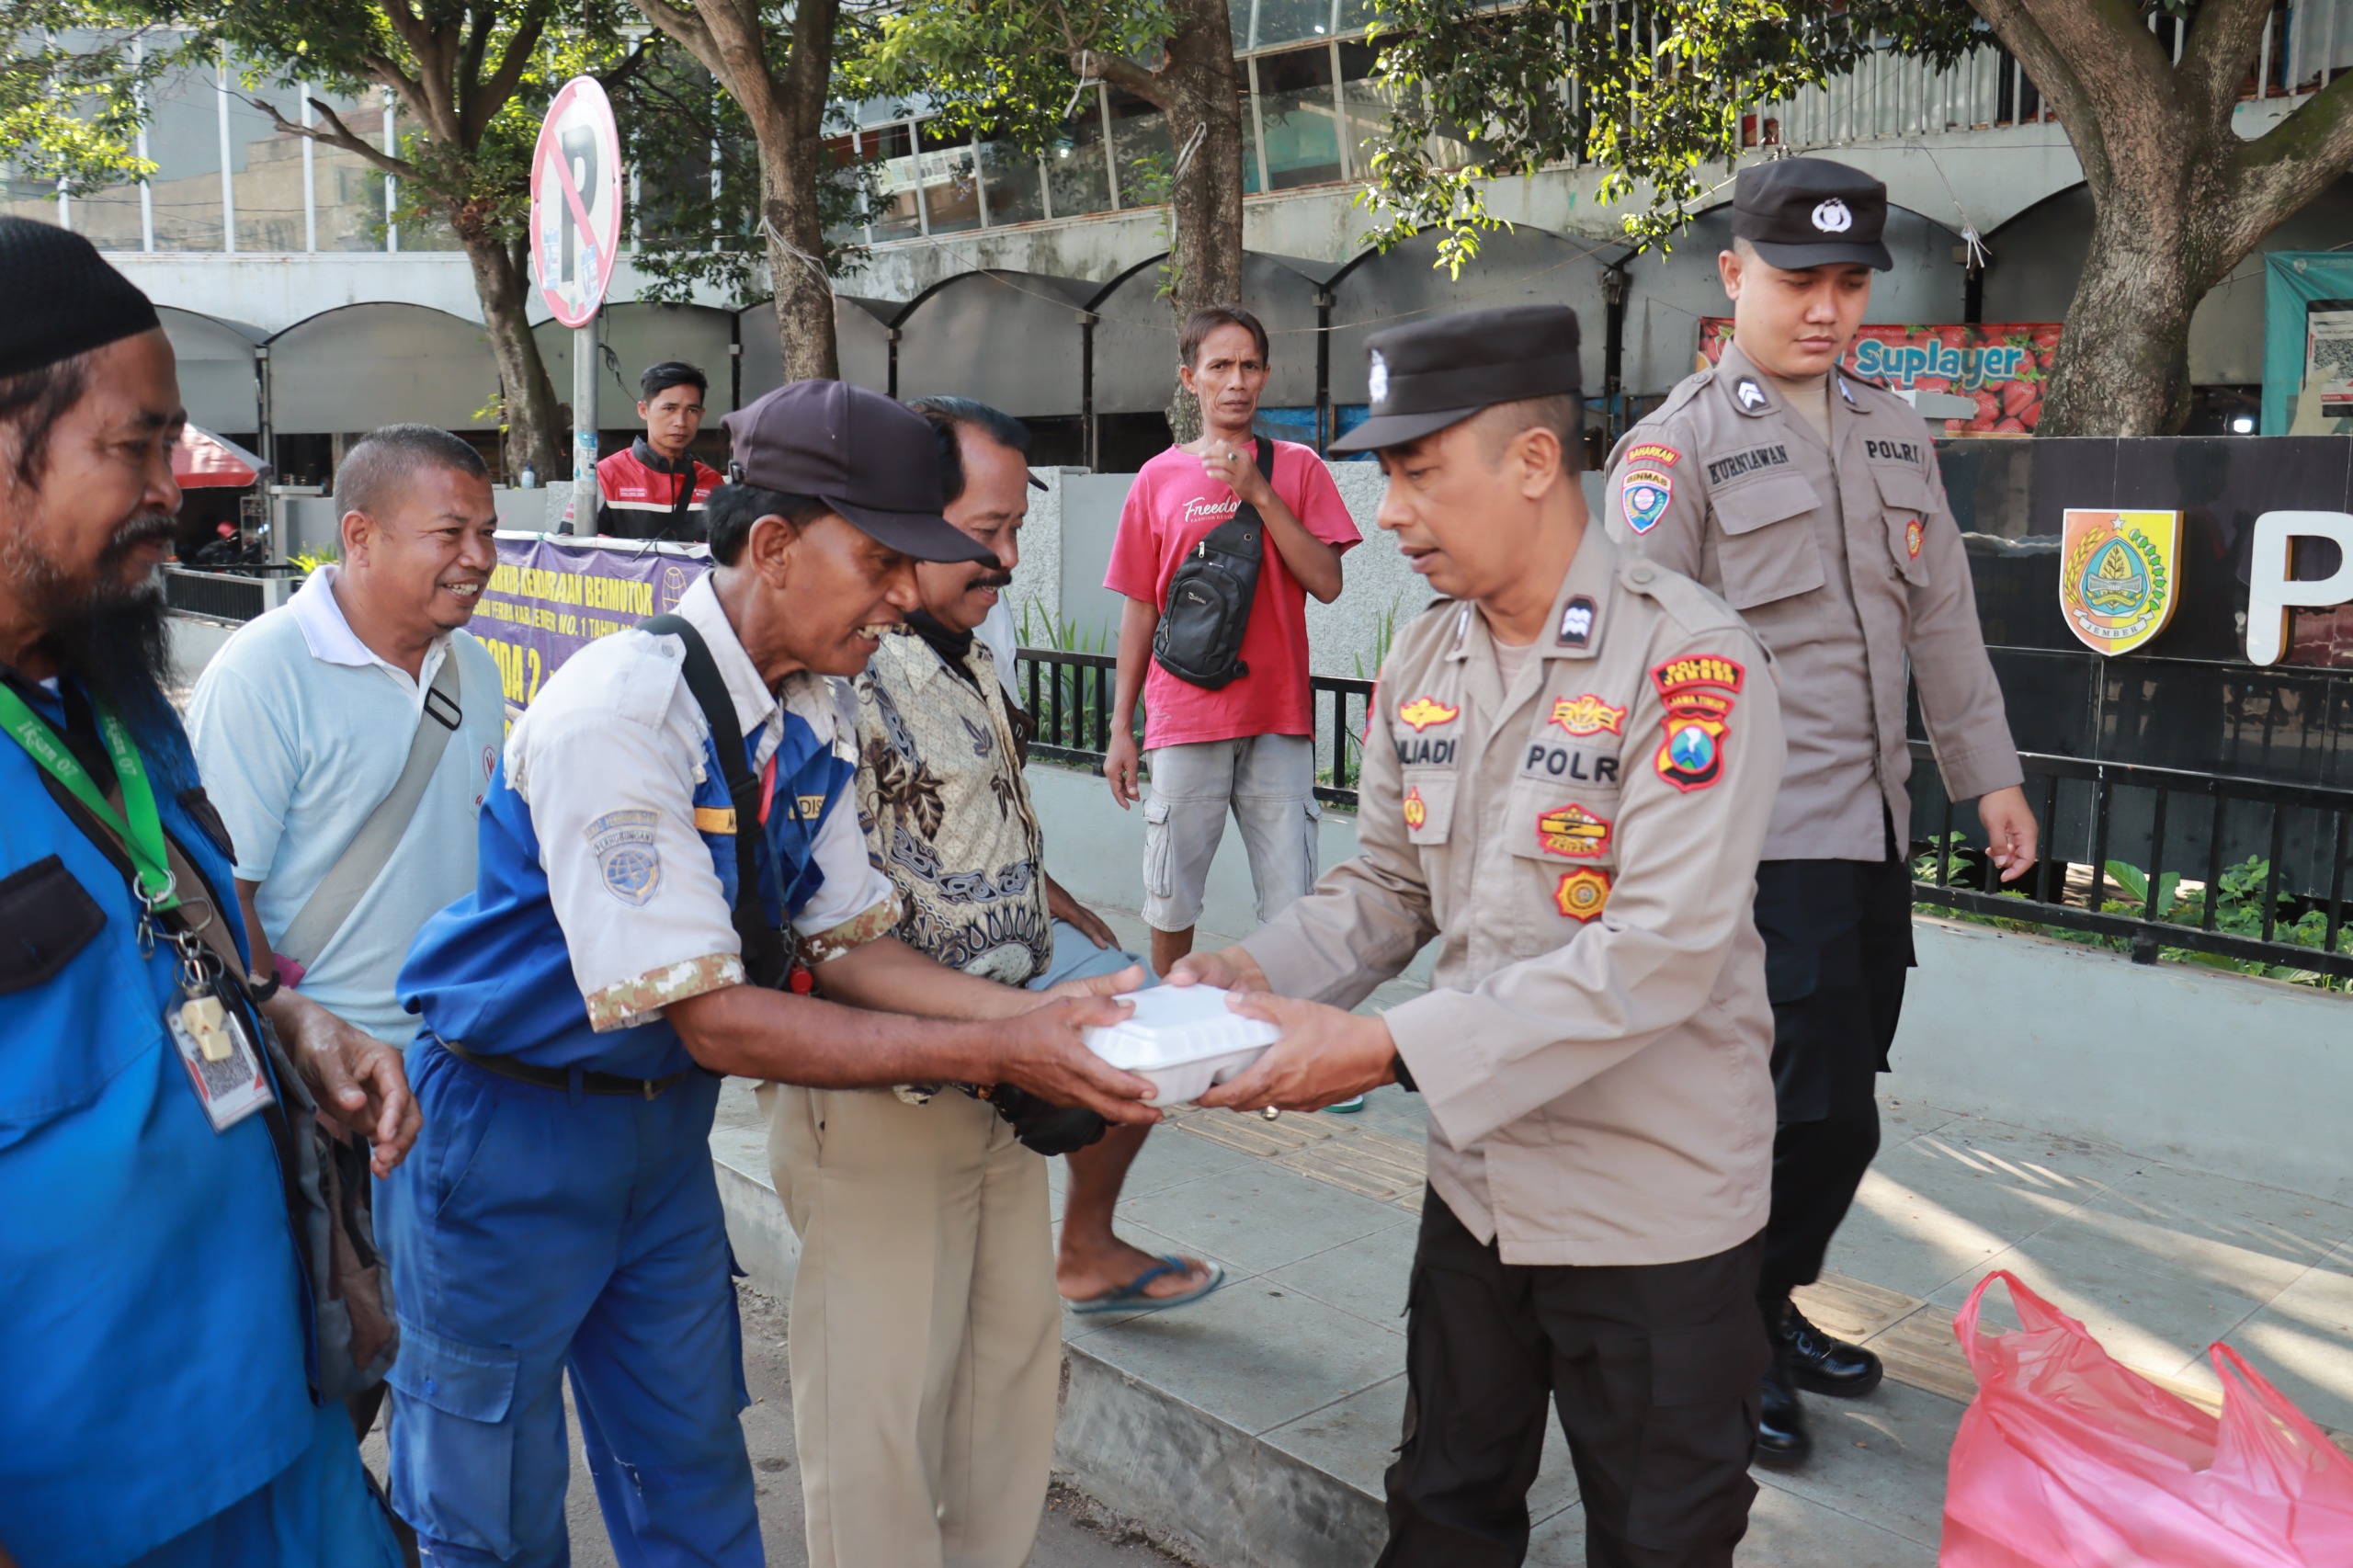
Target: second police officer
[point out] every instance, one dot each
(1811, 502)
(560, 1214)
(1569, 764)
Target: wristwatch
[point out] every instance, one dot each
(260, 992)
(1404, 1074)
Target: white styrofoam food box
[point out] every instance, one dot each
(1183, 1038)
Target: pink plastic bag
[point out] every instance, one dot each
(2067, 1459)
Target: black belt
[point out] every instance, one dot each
(561, 1077)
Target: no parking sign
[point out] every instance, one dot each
(576, 201)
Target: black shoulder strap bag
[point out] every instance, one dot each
(1199, 639)
(767, 958)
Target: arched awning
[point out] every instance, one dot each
(1135, 345)
(1009, 338)
(202, 461)
(359, 366)
(220, 376)
(637, 335)
(861, 344)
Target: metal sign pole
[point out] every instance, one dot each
(584, 424)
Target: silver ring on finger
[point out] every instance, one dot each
(1270, 1113)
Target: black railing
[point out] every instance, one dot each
(1070, 697)
(2115, 828)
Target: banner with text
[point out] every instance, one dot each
(550, 597)
(1999, 365)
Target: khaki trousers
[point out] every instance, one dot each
(925, 1339)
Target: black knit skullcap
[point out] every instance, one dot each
(68, 299)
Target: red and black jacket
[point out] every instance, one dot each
(643, 494)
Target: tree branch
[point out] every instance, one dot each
(334, 134)
(2222, 40)
(2121, 65)
(486, 101)
(2287, 167)
(1122, 71)
(2021, 31)
(686, 28)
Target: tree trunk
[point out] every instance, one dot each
(2123, 368)
(804, 299)
(532, 416)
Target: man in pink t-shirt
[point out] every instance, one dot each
(1247, 747)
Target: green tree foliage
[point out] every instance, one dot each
(70, 93)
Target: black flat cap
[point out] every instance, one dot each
(69, 300)
(1440, 370)
(874, 460)
(1801, 212)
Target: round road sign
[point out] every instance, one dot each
(576, 201)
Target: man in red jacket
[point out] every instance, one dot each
(655, 490)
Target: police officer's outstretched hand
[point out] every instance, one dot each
(1324, 1056)
(1040, 1051)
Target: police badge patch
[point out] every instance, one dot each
(626, 858)
(1645, 493)
(1700, 693)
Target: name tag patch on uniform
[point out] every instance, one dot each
(1576, 623)
(1749, 461)
(1424, 711)
(626, 858)
(811, 806)
(1645, 493)
(1912, 532)
(1415, 812)
(1586, 714)
(1570, 762)
(1581, 894)
(1425, 753)
(1892, 451)
(1699, 694)
(1572, 833)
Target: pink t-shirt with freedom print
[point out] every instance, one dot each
(1172, 507)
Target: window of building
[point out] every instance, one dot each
(184, 142)
(1141, 156)
(265, 167)
(1292, 21)
(1297, 108)
(1012, 181)
(1364, 101)
(348, 190)
(1078, 179)
(952, 189)
(894, 215)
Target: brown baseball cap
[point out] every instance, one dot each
(868, 459)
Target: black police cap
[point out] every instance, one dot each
(1440, 370)
(1801, 212)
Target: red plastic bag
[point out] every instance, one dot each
(2067, 1459)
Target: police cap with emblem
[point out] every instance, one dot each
(1801, 212)
(870, 459)
(1438, 371)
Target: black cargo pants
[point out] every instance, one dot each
(1837, 944)
(1655, 1371)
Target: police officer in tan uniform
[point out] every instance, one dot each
(1811, 501)
(1568, 770)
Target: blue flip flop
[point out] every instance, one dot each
(1131, 1297)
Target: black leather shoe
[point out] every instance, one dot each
(1781, 1439)
(1823, 1365)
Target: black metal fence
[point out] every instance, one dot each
(2143, 857)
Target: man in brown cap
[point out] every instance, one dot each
(160, 1358)
(674, 801)
(1568, 769)
(1811, 501)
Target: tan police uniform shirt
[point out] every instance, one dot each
(1846, 560)
(1594, 1046)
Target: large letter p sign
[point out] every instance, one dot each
(2272, 592)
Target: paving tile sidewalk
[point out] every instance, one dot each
(1266, 1412)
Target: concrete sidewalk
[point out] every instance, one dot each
(1253, 1426)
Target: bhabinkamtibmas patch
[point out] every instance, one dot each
(1573, 832)
(626, 858)
(1645, 493)
(1700, 693)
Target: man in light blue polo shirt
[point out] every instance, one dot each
(305, 722)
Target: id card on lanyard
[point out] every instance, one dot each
(215, 1041)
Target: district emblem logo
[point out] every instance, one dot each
(1699, 694)
(1415, 812)
(1586, 714)
(1581, 894)
(1573, 832)
(626, 858)
(2119, 576)
(1645, 493)
(1424, 711)
(1912, 536)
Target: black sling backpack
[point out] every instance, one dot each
(1199, 636)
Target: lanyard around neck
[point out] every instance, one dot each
(137, 825)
